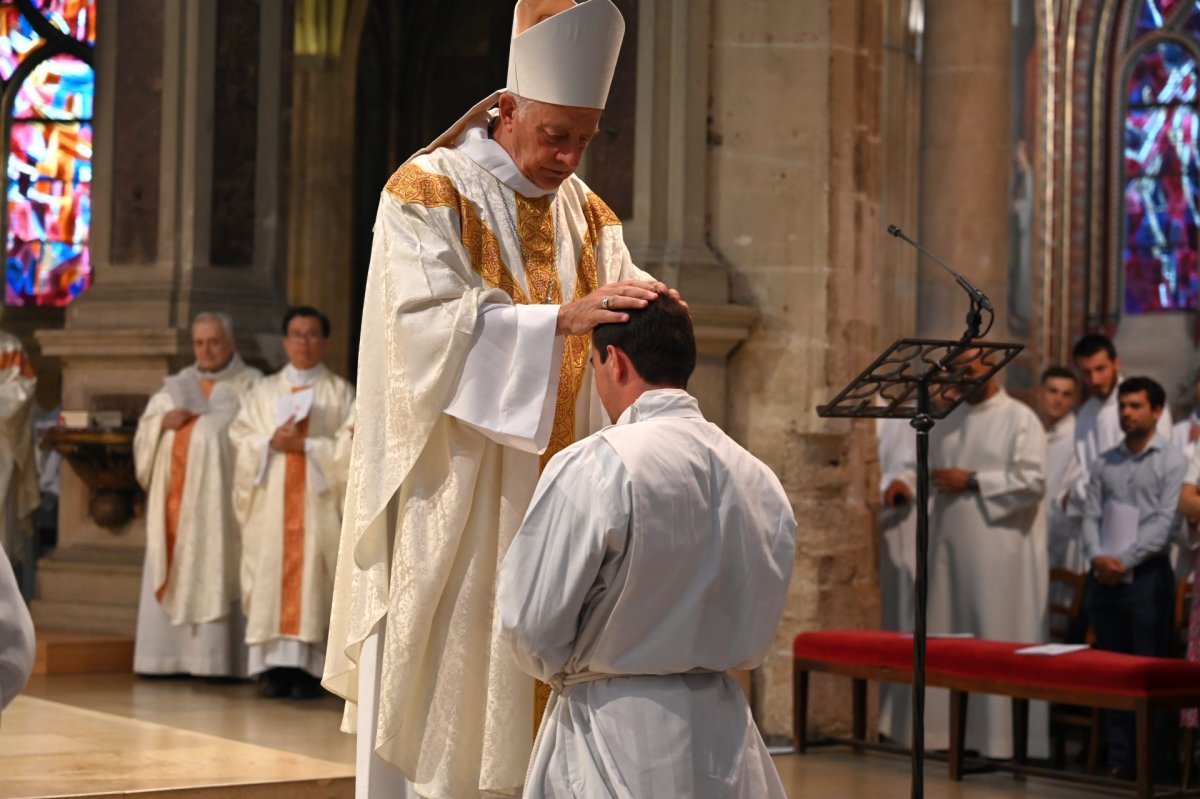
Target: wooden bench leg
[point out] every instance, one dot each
(1020, 721)
(958, 733)
(1144, 749)
(800, 708)
(1095, 730)
(858, 705)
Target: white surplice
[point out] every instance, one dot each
(897, 566)
(17, 643)
(197, 628)
(987, 555)
(654, 548)
(444, 459)
(18, 467)
(1062, 517)
(260, 489)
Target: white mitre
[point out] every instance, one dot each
(562, 52)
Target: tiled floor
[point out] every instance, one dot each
(106, 735)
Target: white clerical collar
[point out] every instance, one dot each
(1059, 428)
(987, 403)
(234, 366)
(661, 402)
(303, 377)
(475, 144)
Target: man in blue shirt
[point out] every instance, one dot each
(1129, 516)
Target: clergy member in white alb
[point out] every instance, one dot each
(491, 263)
(897, 565)
(987, 546)
(189, 616)
(18, 468)
(1056, 403)
(654, 558)
(17, 642)
(292, 438)
(1097, 424)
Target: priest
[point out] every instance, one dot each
(18, 469)
(987, 545)
(491, 263)
(17, 642)
(292, 437)
(189, 619)
(897, 565)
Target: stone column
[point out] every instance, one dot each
(188, 197)
(667, 234)
(795, 181)
(964, 157)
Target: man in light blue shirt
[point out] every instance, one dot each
(1129, 517)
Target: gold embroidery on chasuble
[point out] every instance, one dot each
(411, 184)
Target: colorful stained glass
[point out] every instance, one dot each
(1164, 75)
(1154, 14)
(76, 18)
(49, 212)
(60, 87)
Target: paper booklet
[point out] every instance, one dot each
(1052, 649)
(186, 394)
(293, 406)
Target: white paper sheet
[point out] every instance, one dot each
(186, 394)
(1051, 649)
(1118, 527)
(293, 406)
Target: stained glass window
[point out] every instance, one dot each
(48, 86)
(1161, 169)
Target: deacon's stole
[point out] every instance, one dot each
(295, 489)
(179, 459)
(535, 231)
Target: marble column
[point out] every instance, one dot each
(794, 160)
(965, 158)
(188, 196)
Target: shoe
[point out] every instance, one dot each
(274, 684)
(306, 686)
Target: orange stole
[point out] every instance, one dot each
(295, 478)
(18, 359)
(179, 456)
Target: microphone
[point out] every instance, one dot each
(977, 296)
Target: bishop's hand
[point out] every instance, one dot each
(607, 304)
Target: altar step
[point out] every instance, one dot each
(88, 591)
(71, 653)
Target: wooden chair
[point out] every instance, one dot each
(1066, 599)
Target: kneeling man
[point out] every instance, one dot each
(654, 558)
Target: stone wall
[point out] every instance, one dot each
(794, 213)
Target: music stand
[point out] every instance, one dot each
(921, 380)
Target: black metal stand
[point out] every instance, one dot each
(921, 380)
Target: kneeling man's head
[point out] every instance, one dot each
(656, 348)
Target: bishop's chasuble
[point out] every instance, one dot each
(18, 469)
(987, 555)
(289, 506)
(462, 382)
(188, 616)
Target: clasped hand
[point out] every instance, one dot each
(288, 437)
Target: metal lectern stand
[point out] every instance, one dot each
(922, 380)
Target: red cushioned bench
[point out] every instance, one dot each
(969, 665)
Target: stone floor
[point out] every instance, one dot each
(111, 735)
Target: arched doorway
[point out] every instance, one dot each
(421, 65)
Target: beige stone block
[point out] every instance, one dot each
(768, 23)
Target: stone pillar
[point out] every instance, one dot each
(188, 200)
(964, 158)
(667, 234)
(795, 181)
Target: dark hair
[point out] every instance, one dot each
(1154, 392)
(658, 340)
(1058, 371)
(306, 311)
(1093, 343)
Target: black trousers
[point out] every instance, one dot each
(1135, 618)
